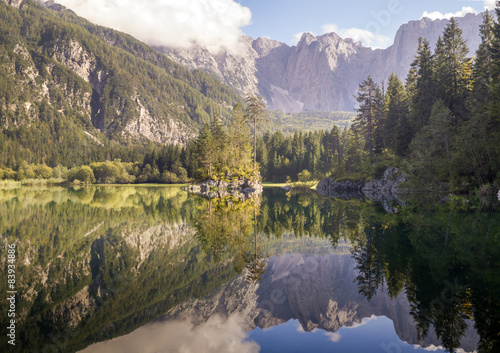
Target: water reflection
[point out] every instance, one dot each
(216, 335)
(98, 263)
(227, 226)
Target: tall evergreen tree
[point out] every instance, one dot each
(239, 144)
(369, 114)
(482, 69)
(421, 85)
(255, 113)
(397, 129)
(453, 70)
(494, 101)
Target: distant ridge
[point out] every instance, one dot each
(320, 73)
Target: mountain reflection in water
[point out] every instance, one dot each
(98, 263)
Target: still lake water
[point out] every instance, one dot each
(153, 269)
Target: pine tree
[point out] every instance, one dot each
(369, 114)
(421, 86)
(205, 149)
(431, 149)
(239, 147)
(397, 130)
(255, 113)
(482, 69)
(453, 70)
(494, 101)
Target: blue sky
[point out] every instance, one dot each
(216, 24)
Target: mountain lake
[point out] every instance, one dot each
(155, 269)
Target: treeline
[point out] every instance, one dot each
(219, 152)
(289, 123)
(337, 152)
(445, 120)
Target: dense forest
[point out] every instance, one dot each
(441, 126)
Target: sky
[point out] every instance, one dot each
(217, 24)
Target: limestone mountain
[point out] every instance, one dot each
(320, 73)
(68, 86)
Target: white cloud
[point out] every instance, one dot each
(333, 336)
(436, 15)
(490, 4)
(217, 335)
(364, 321)
(369, 39)
(213, 24)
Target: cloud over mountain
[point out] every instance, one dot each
(369, 39)
(212, 24)
(436, 15)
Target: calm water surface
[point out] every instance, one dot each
(153, 269)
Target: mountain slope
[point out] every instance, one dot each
(319, 73)
(66, 83)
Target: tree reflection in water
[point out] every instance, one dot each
(444, 257)
(227, 226)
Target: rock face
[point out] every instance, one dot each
(384, 189)
(319, 73)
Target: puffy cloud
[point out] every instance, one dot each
(217, 335)
(213, 24)
(436, 15)
(489, 4)
(369, 39)
(333, 336)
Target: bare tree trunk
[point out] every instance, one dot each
(254, 143)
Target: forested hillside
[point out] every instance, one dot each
(72, 92)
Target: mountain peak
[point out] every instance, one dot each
(322, 73)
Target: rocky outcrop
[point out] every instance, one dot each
(241, 188)
(320, 73)
(385, 189)
(343, 189)
(378, 189)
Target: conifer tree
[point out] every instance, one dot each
(453, 70)
(239, 147)
(494, 99)
(255, 113)
(482, 69)
(421, 85)
(369, 114)
(397, 129)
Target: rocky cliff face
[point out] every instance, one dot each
(319, 73)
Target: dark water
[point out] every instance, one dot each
(138, 269)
